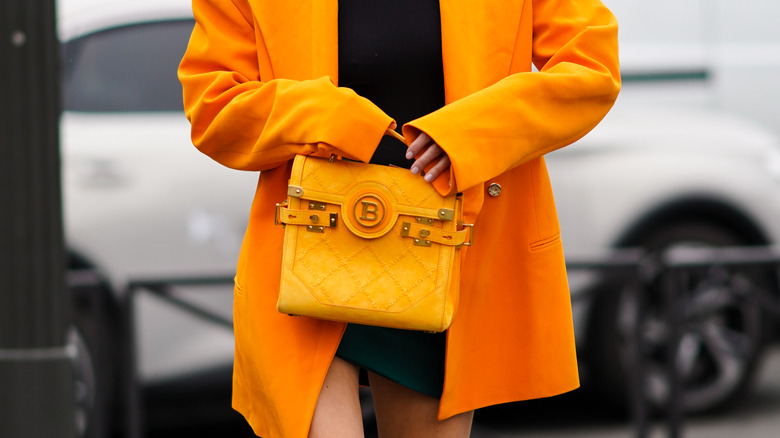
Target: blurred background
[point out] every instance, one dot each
(689, 159)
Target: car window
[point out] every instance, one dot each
(129, 68)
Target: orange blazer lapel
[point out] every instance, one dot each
(478, 40)
(301, 37)
(478, 45)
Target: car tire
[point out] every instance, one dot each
(94, 336)
(723, 329)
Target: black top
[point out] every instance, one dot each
(390, 53)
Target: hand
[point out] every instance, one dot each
(427, 151)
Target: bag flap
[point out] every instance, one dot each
(371, 197)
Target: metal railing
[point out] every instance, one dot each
(678, 265)
(672, 269)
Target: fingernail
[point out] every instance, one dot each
(409, 155)
(415, 171)
(429, 177)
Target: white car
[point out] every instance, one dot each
(659, 178)
(141, 204)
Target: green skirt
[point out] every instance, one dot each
(411, 358)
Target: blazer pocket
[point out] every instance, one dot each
(545, 243)
(243, 262)
(238, 290)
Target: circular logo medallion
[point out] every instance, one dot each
(368, 210)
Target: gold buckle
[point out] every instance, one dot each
(471, 234)
(277, 213)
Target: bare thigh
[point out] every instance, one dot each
(405, 413)
(337, 414)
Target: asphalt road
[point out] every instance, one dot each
(580, 415)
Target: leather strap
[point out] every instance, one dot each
(332, 198)
(425, 234)
(289, 216)
(432, 234)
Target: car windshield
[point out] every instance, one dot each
(129, 68)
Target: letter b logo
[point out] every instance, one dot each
(369, 210)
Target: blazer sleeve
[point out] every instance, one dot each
(529, 114)
(251, 123)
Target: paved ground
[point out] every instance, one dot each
(579, 415)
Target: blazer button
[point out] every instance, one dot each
(494, 190)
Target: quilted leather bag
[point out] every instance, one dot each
(369, 244)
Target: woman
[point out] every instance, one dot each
(260, 82)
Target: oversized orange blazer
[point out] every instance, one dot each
(259, 79)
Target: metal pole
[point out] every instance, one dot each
(134, 419)
(36, 371)
(674, 287)
(646, 273)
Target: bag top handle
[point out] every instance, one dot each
(392, 133)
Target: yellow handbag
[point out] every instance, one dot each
(369, 244)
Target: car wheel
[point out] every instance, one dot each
(94, 338)
(722, 329)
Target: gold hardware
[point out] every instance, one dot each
(334, 219)
(314, 218)
(424, 221)
(405, 229)
(421, 242)
(424, 233)
(316, 205)
(315, 228)
(277, 213)
(332, 157)
(446, 214)
(471, 234)
(494, 189)
(294, 191)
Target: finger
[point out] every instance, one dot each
(417, 146)
(428, 156)
(441, 166)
